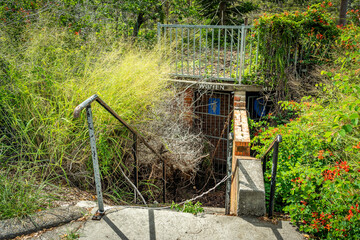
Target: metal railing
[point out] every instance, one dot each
(136, 135)
(228, 172)
(209, 52)
(274, 145)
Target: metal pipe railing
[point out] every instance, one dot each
(136, 136)
(228, 172)
(274, 145)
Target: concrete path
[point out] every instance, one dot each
(137, 223)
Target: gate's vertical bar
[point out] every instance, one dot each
(194, 53)
(250, 54)
(206, 42)
(188, 50)
(218, 71)
(231, 49)
(228, 167)
(176, 51)
(241, 52)
(224, 52)
(170, 47)
(212, 51)
(95, 160)
(134, 150)
(200, 30)
(273, 174)
(182, 51)
(165, 40)
(237, 54)
(244, 51)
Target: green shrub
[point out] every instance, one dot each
(318, 181)
(294, 41)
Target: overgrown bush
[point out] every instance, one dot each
(291, 46)
(318, 181)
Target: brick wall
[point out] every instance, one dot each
(241, 129)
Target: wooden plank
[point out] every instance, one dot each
(234, 185)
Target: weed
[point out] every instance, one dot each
(188, 207)
(70, 236)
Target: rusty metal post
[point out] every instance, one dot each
(228, 168)
(94, 155)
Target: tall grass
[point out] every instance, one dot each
(46, 74)
(22, 192)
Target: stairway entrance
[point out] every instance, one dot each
(213, 111)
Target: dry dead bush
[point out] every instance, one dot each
(171, 135)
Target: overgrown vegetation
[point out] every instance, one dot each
(43, 78)
(318, 174)
(56, 54)
(21, 194)
(294, 45)
(46, 70)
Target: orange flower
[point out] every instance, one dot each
(348, 217)
(327, 227)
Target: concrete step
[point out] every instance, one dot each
(251, 189)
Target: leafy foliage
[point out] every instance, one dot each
(318, 172)
(295, 40)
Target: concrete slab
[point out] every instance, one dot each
(136, 223)
(251, 189)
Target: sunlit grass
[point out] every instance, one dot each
(44, 76)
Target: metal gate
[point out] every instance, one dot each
(213, 112)
(211, 52)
